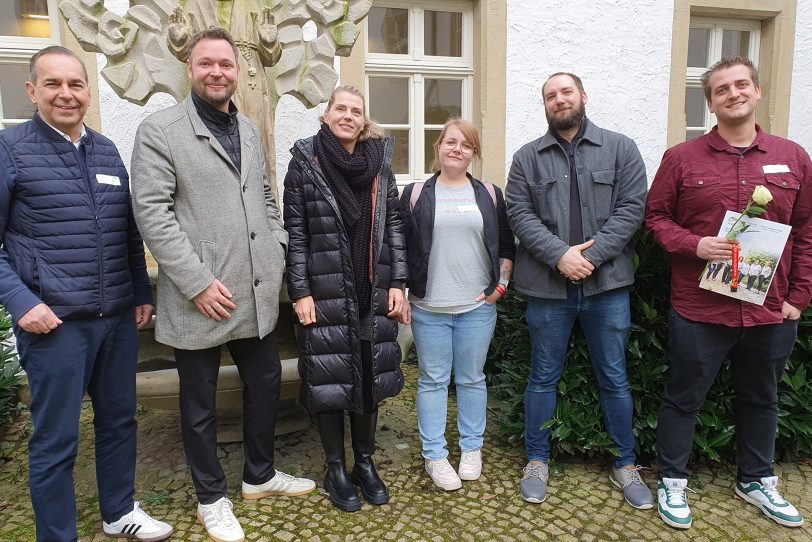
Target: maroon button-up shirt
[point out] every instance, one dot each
(701, 179)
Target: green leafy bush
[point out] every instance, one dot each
(577, 423)
(9, 367)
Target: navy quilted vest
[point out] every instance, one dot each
(67, 232)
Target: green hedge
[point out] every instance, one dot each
(9, 367)
(577, 423)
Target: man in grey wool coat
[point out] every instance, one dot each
(207, 213)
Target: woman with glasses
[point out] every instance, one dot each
(346, 266)
(460, 253)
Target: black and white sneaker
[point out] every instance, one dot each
(138, 525)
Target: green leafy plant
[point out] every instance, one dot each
(9, 369)
(577, 425)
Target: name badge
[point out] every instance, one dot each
(467, 208)
(775, 168)
(108, 179)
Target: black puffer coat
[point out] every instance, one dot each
(319, 264)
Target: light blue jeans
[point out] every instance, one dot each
(445, 342)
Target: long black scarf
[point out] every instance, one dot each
(350, 178)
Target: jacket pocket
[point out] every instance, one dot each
(603, 184)
(208, 255)
(699, 192)
(544, 200)
(784, 189)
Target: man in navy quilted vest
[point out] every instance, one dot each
(73, 277)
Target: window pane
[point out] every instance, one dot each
(442, 33)
(388, 31)
(400, 156)
(431, 137)
(389, 99)
(735, 42)
(13, 96)
(694, 106)
(698, 41)
(27, 18)
(692, 134)
(443, 100)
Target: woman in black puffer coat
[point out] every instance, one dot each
(346, 267)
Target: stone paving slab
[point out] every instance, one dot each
(582, 504)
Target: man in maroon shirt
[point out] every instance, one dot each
(696, 183)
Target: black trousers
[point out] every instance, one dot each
(758, 355)
(260, 369)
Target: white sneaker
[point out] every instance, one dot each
(280, 484)
(768, 500)
(672, 503)
(470, 465)
(138, 525)
(443, 474)
(219, 521)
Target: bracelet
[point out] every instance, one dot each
(501, 289)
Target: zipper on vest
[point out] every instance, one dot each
(94, 208)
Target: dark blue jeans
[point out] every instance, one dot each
(97, 356)
(605, 319)
(698, 350)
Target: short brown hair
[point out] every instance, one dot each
(371, 129)
(468, 130)
(52, 50)
(213, 33)
(724, 64)
(578, 82)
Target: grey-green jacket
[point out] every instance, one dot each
(612, 184)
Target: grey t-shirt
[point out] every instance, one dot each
(459, 265)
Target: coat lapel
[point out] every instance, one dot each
(202, 131)
(247, 143)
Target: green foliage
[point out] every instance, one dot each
(577, 425)
(9, 367)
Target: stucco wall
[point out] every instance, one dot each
(120, 119)
(621, 51)
(800, 113)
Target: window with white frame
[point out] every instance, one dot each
(419, 72)
(26, 26)
(710, 40)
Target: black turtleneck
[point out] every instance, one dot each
(222, 126)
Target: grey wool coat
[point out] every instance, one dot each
(202, 219)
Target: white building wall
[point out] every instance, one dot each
(800, 111)
(620, 49)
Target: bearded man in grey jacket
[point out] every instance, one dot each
(575, 198)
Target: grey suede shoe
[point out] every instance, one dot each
(635, 491)
(534, 482)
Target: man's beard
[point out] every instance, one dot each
(568, 121)
(217, 99)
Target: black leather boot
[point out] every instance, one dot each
(363, 445)
(336, 482)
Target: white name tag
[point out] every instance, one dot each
(467, 208)
(108, 179)
(775, 168)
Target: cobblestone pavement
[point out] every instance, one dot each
(582, 504)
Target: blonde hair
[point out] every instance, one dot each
(371, 129)
(468, 130)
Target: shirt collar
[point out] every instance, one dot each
(66, 136)
(718, 142)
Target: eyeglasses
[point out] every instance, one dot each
(451, 144)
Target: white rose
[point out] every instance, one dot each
(762, 196)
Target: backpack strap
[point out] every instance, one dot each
(492, 191)
(416, 190)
